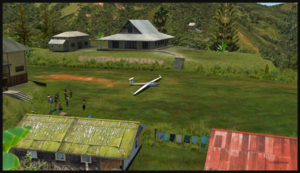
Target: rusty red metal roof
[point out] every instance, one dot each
(234, 150)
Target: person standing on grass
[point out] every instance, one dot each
(67, 101)
(70, 93)
(60, 107)
(48, 98)
(51, 100)
(83, 104)
(66, 94)
(55, 100)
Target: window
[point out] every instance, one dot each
(130, 44)
(32, 153)
(60, 156)
(86, 159)
(130, 29)
(115, 44)
(20, 68)
(72, 44)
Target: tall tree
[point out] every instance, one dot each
(160, 19)
(45, 35)
(21, 27)
(225, 30)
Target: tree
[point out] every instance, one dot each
(226, 28)
(45, 35)
(21, 27)
(11, 138)
(294, 60)
(160, 19)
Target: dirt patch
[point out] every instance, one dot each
(109, 83)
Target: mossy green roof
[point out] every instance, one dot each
(86, 136)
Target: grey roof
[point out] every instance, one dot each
(71, 34)
(195, 30)
(56, 41)
(137, 37)
(144, 26)
(148, 33)
(13, 46)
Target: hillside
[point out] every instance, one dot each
(269, 30)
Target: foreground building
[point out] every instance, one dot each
(81, 142)
(137, 34)
(234, 150)
(14, 70)
(69, 41)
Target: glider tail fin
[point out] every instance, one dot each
(131, 81)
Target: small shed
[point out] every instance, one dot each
(137, 34)
(100, 144)
(234, 150)
(69, 41)
(14, 70)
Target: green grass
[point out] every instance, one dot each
(185, 102)
(208, 59)
(48, 55)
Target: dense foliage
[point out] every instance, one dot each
(225, 28)
(271, 31)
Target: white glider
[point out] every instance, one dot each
(145, 85)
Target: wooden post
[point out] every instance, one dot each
(199, 147)
(154, 139)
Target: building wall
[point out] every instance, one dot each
(17, 79)
(75, 40)
(58, 47)
(5, 69)
(110, 164)
(4, 58)
(134, 150)
(122, 44)
(16, 59)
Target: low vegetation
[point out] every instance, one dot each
(200, 61)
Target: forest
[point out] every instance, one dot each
(268, 30)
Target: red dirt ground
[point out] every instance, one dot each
(79, 78)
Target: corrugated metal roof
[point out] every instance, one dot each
(71, 34)
(144, 26)
(137, 37)
(234, 150)
(13, 46)
(56, 41)
(87, 136)
(149, 33)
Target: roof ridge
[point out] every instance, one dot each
(57, 116)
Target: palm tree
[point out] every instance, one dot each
(225, 28)
(160, 18)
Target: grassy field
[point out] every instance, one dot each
(208, 59)
(186, 102)
(245, 61)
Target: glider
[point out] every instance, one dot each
(145, 85)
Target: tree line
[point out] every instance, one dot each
(36, 29)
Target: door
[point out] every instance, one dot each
(79, 45)
(145, 45)
(110, 164)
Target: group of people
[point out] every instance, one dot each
(56, 100)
